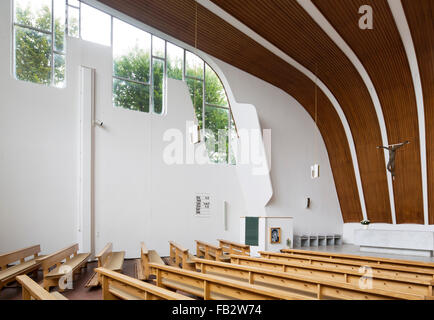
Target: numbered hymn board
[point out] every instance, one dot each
(203, 204)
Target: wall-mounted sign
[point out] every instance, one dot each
(203, 204)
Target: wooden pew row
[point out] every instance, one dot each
(142, 264)
(346, 265)
(69, 258)
(109, 260)
(210, 252)
(230, 247)
(9, 273)
(33, 291)
(210, 287)
(180, 257)
(117, 286)
(351, 276)
(428, 266)
(320, 288)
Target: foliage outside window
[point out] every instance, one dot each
(39, 46)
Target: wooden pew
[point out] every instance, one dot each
(180, 257)
(9, 273)
(230, 247)
(142, 264)
(109, 260)
(377, 269)
(210, 252)
(350, 276)
(429, 266)
(33, 291)
(320, 288)
(52, 263)
(210, 287)
(117, 286)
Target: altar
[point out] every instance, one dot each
(417, 243)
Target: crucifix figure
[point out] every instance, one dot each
(392, 151)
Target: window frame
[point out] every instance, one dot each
(52, 49)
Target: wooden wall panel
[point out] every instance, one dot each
(420, 18)
(221, 40)
(382, 53)
(286, 24)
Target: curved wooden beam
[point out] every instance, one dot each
(420, 16)
(382, 53)
(307, 43)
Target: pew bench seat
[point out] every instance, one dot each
(107, 259)
(117, 286)
(146, 257)
(33, 291)
(75, 263)
(67, 257)
(116, 261)
(13, 264)
(18, 269)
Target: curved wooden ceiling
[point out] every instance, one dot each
(302, 39)
(382, 53)
(289, 27)
(221, 40)
(420, 18)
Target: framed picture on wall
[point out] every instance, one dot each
(275, 235)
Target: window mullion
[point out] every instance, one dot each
(52, 42)
(203, 99)
(151, 78)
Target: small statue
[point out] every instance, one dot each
(392, 151)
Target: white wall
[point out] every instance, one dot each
(292, 153)
(37, 157)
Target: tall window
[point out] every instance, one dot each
(39, 41)
(73, 24)
(95, 25)
(131, 67)
(217, 118)
(194, 76)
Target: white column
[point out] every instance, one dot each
(85, 185)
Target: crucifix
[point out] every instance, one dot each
(392, 152)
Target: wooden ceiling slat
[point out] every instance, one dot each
(383, 55)
(420, 18)
(221, 40)
(286, 24)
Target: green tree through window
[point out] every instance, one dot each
(34, 56)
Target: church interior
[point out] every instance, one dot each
(216, 150)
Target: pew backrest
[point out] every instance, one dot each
(119, 286)
(104, 254)
(32, 290)
(313, 285)
(18, 255)
(56, 258)
(180, 256)
(397, 270)
(352, 275)
(209, 251)
(362, 259)
(212, 287)
(230, 247)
